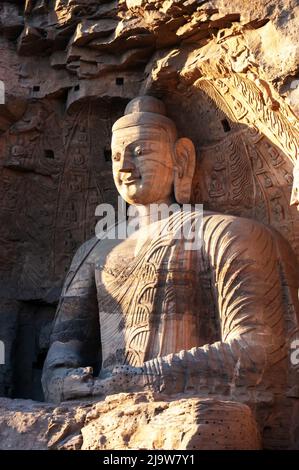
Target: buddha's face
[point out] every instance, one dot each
(142, 164)
(295, 191)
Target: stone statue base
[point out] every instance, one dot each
(128, 421)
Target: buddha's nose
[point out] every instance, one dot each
(127, 164)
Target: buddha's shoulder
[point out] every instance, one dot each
(215, 223)
(87, 251)
(93, 249)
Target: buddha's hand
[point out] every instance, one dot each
(164, 378)
(78, 383)
(121, 380)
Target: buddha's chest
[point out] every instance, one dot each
(154, 302)
(160, 280)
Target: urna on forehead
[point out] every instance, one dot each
(146, 111)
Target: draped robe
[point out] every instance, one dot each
(222, 314)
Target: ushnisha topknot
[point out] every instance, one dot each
(146, 111)
(145, 104)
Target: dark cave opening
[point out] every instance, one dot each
(225, 125)
(119, 81)
(49, 154)
(30, 350)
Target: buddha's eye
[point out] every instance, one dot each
(116, 157)
(138, 151)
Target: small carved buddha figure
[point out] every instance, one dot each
(295, 190)
(149, 313)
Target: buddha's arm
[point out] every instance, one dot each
(75, 339)
(247, 289)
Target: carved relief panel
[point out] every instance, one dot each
(56, 168)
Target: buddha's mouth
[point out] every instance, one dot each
(130, 180)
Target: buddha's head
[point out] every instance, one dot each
(150, 163)
(295, 190)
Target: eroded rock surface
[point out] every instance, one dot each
(127, 421)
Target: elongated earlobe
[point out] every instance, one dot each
(184, 168)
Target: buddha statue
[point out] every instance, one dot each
(150, 312)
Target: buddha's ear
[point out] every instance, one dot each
(184, 168)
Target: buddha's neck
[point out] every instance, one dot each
(149, 213)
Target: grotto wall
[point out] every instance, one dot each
(69, 67)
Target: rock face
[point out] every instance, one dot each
(127, 421)
(69, 68)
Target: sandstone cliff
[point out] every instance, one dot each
(228, 74)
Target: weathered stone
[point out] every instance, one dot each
(127, 421)
(89, 30)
